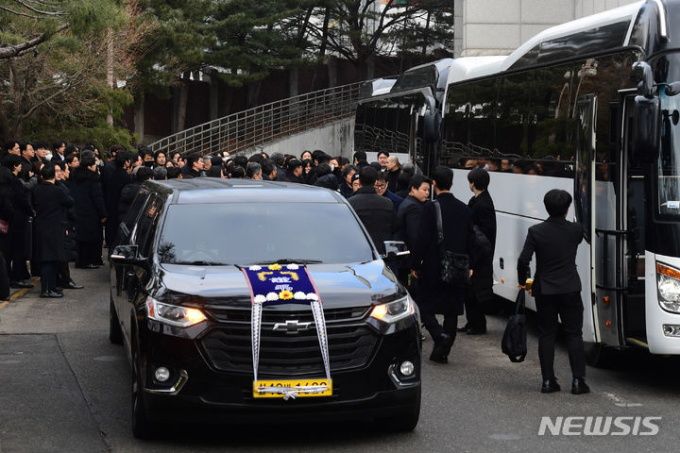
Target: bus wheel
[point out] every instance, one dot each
(598, 355)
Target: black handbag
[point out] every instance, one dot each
(514, 343)
(454, 267)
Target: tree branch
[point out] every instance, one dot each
(18, 13)
(37, 11)
(14, 51)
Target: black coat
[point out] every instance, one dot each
(51, 204)
(127, 196)
(114, 187)
(86, 190)
(484, 217)
(434, 295)
(408, 220)
(376, 213)
(70, 244)
(555, 242)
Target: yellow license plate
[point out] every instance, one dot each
(291, 384)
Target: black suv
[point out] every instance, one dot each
(182, 303)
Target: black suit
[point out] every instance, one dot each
(376, 213)
(481, 284)
(408, 220)
(557, 289)
(435, 296)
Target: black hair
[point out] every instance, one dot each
(71, 157)
(122, 157)
(417, 180)
(87, 160)
(115, 149)
(387, 154)
(23, 146)
(216, 160)
(174, 172)
(238, 173)
(382, 176)
(143, 174)
(47, 172)
(268, 166)
(257, 158)
(557, 202)
(347, 169)
(367, 176)
(480, 178)
(240, 161)
(39, 144)
(322, 169)
(70, 149)
(293, 164)
(59, 163)
(191, 159)
(9, 144)
(58, 144)
(443, 176)
(12, 160)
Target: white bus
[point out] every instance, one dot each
(591, 107)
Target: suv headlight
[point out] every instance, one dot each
(394, 311)
(668, 285)
(173, 315)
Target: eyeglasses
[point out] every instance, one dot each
(380, 186)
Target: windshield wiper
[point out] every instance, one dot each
(291, 261)
(199, 263)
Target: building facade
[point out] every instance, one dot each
(497, 27)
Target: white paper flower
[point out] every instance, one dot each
(300, 295)
(260, 299)
(312, 296)
(255, 268)
(272, 297)
(293, 267)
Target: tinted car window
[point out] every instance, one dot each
(143, 233)
(137, 205)
(240, 233)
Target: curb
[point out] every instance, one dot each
(17, 294)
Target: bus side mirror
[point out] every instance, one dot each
(643, 75)
(647, 128)
(431, 125)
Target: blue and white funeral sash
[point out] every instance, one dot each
(285, 284)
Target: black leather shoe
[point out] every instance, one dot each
(463, 329)
(20, 284)
(72, 285)
(579, 386)
(51, 294)
(439, 358)
(475, 331)
(550, 385)
(91, 266)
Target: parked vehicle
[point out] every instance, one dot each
(182, 305)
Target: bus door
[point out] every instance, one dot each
(631, 211)
(595, 207)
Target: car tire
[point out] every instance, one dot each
(142, 428)
(115, 332)
(403, 421)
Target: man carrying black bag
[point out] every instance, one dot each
(434, 295)
(557, 288)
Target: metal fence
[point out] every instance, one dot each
(246, 130)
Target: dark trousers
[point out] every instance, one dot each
(4, 275)
(474, 310)
(17, 257)
(89, 253)
(432, 325)
(63, 274)
(48, 276)
(569, 307)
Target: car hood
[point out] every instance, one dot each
(339, 285)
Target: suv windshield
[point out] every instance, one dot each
(238, 233)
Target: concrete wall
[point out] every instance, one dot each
(335, 139)
(497, 27)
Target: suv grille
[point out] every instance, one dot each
(350, 342)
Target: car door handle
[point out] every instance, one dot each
(130, 274)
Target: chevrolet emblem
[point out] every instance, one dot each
(292, 327)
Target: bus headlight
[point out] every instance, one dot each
(668, 285)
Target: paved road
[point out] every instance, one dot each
(64, 388)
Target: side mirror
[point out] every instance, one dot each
(395, 250)
(125, 254)
(647, 128)
(431, 126)
(643, 75)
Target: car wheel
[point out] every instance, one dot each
(404, 420)
(115, 333)
(142, 428)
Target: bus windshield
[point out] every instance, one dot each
(668, 163)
